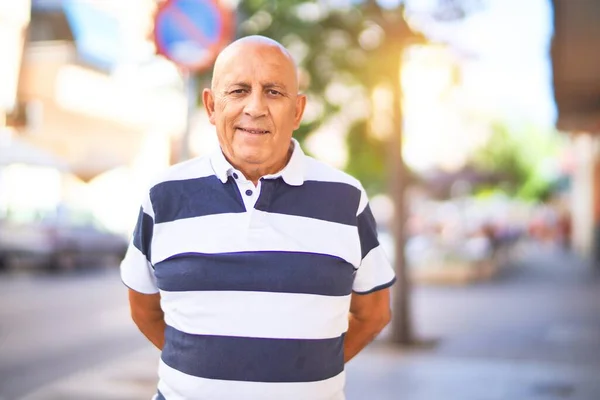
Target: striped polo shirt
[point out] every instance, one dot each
(255, 282)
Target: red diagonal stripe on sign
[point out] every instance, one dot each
(188, 26)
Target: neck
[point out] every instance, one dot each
(255, 172)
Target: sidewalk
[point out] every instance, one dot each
(380, 373)
(131, 377)
(384, 374)
(533, 334)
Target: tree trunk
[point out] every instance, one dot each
(398, 180)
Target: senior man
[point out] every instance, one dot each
(256, 270)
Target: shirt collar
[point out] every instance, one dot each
(292, 173)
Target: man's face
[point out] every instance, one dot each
(255, 107)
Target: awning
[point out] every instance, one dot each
(576, 64)
(96, 32)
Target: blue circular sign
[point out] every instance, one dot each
(191, 33)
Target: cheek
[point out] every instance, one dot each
(229, 112)
(285, 119)
(221, 107)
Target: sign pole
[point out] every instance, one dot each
(191, 33)
(191, 89)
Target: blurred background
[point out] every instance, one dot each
(474, 125)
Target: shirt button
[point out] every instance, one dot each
(248, 192)
(235, 176)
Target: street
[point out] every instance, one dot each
(54, 325)
(531, 333)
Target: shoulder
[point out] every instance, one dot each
(319, 171)
(316, 170)
(195, 168)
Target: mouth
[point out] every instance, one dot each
(254, 131)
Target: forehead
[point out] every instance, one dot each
(258, 64)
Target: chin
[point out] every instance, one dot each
(254, 160)
(252, 157)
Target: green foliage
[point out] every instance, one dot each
(328, 45)
(502, 154)
(520, 157)
(358, 45)
(366, 164)
(329, 42)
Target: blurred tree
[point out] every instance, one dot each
(346, 49)
(366, 160)
(524, 157)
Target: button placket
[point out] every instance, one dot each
(249, 193)
(259, 220)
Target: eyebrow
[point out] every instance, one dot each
(266, 85)
(270, 85)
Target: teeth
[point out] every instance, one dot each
(253, 130)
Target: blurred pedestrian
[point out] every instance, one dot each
(256, 270)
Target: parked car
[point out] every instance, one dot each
(61, 239)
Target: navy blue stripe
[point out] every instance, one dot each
(159, 396)
(378, 288)
(142, 234)
(253, 359)
(173, 200)
(268, 271)
(367, 231)
(327, 201)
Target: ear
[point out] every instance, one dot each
(209, 104)
(300, 105)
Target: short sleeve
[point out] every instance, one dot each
(374, 272)
(137, 271)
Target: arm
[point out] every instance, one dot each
(148, 316)
(369, 314)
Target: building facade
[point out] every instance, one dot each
(576, 63)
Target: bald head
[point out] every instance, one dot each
(253, 46)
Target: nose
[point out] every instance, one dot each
(256, 106)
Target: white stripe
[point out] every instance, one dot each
(137, 273)
(207, 234)
(364, 202)
(175, 385)
(255, 231)
(257, 314)
(316, 170)
(191, 169)
(147, 205)
(375, 270)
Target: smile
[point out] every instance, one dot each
(253, 131)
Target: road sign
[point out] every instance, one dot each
(192, 32)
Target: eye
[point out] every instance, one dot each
(274, 92)
(238, 91)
